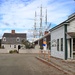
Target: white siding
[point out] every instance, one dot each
(4, 51)
(71, 26)
(57, 34)
(7, 46)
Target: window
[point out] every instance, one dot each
(57, 44)
(18, 39)
(10, 45)
(61, 44)
(14, 46)
(4, 38)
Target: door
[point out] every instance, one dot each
(73, 48)
(69, 48)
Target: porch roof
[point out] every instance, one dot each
(72, 34)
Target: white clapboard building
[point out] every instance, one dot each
(12, 40)
(63, 39)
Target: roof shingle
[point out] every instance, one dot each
(14, 35)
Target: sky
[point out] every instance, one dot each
(19, 14)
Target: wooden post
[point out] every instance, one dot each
(39, 53)
(48, 55)
(44, 54)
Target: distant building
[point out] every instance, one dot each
(0, 43)
(40, 40)
(12, 40)
(63, 39)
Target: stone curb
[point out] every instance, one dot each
(71, 61)
(52, 64)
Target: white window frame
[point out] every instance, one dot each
(61, 44)
(58, 44)
(4, 38)
(18, 39)
(14, 46)
(10, 46)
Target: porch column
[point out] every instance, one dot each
(68, 45)
(38, 42)
(65, 36)
(72, 48)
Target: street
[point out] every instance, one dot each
(25, 64)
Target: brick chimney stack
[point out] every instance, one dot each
(45, 32)
(13, 31)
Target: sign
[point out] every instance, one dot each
(53, 43)
(44, 44)
(45, 47)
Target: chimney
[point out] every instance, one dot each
(45, 32)
(13, 31)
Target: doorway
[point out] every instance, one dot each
(69, 41)
(73, 48)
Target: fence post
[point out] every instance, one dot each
(44, 54)
(49, 55)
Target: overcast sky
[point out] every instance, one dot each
(19, 14)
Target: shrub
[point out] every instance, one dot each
(13, 51)
(2, 47)
(41, 47)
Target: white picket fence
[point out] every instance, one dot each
(20, 51)
(36, 50)
(4, 51)
(29, 51)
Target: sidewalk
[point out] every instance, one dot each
(68, 66)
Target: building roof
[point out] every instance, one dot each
(43, 37)
(72, 34)
(66, 22)
(12, 38)
(14, 35)
(58, 26)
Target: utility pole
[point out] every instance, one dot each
(41, 23)
(35, 26)
(41, 16)
(46, 17)
(40, 31)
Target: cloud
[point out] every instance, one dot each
(19, 14)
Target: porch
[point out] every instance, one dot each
(71, 45)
